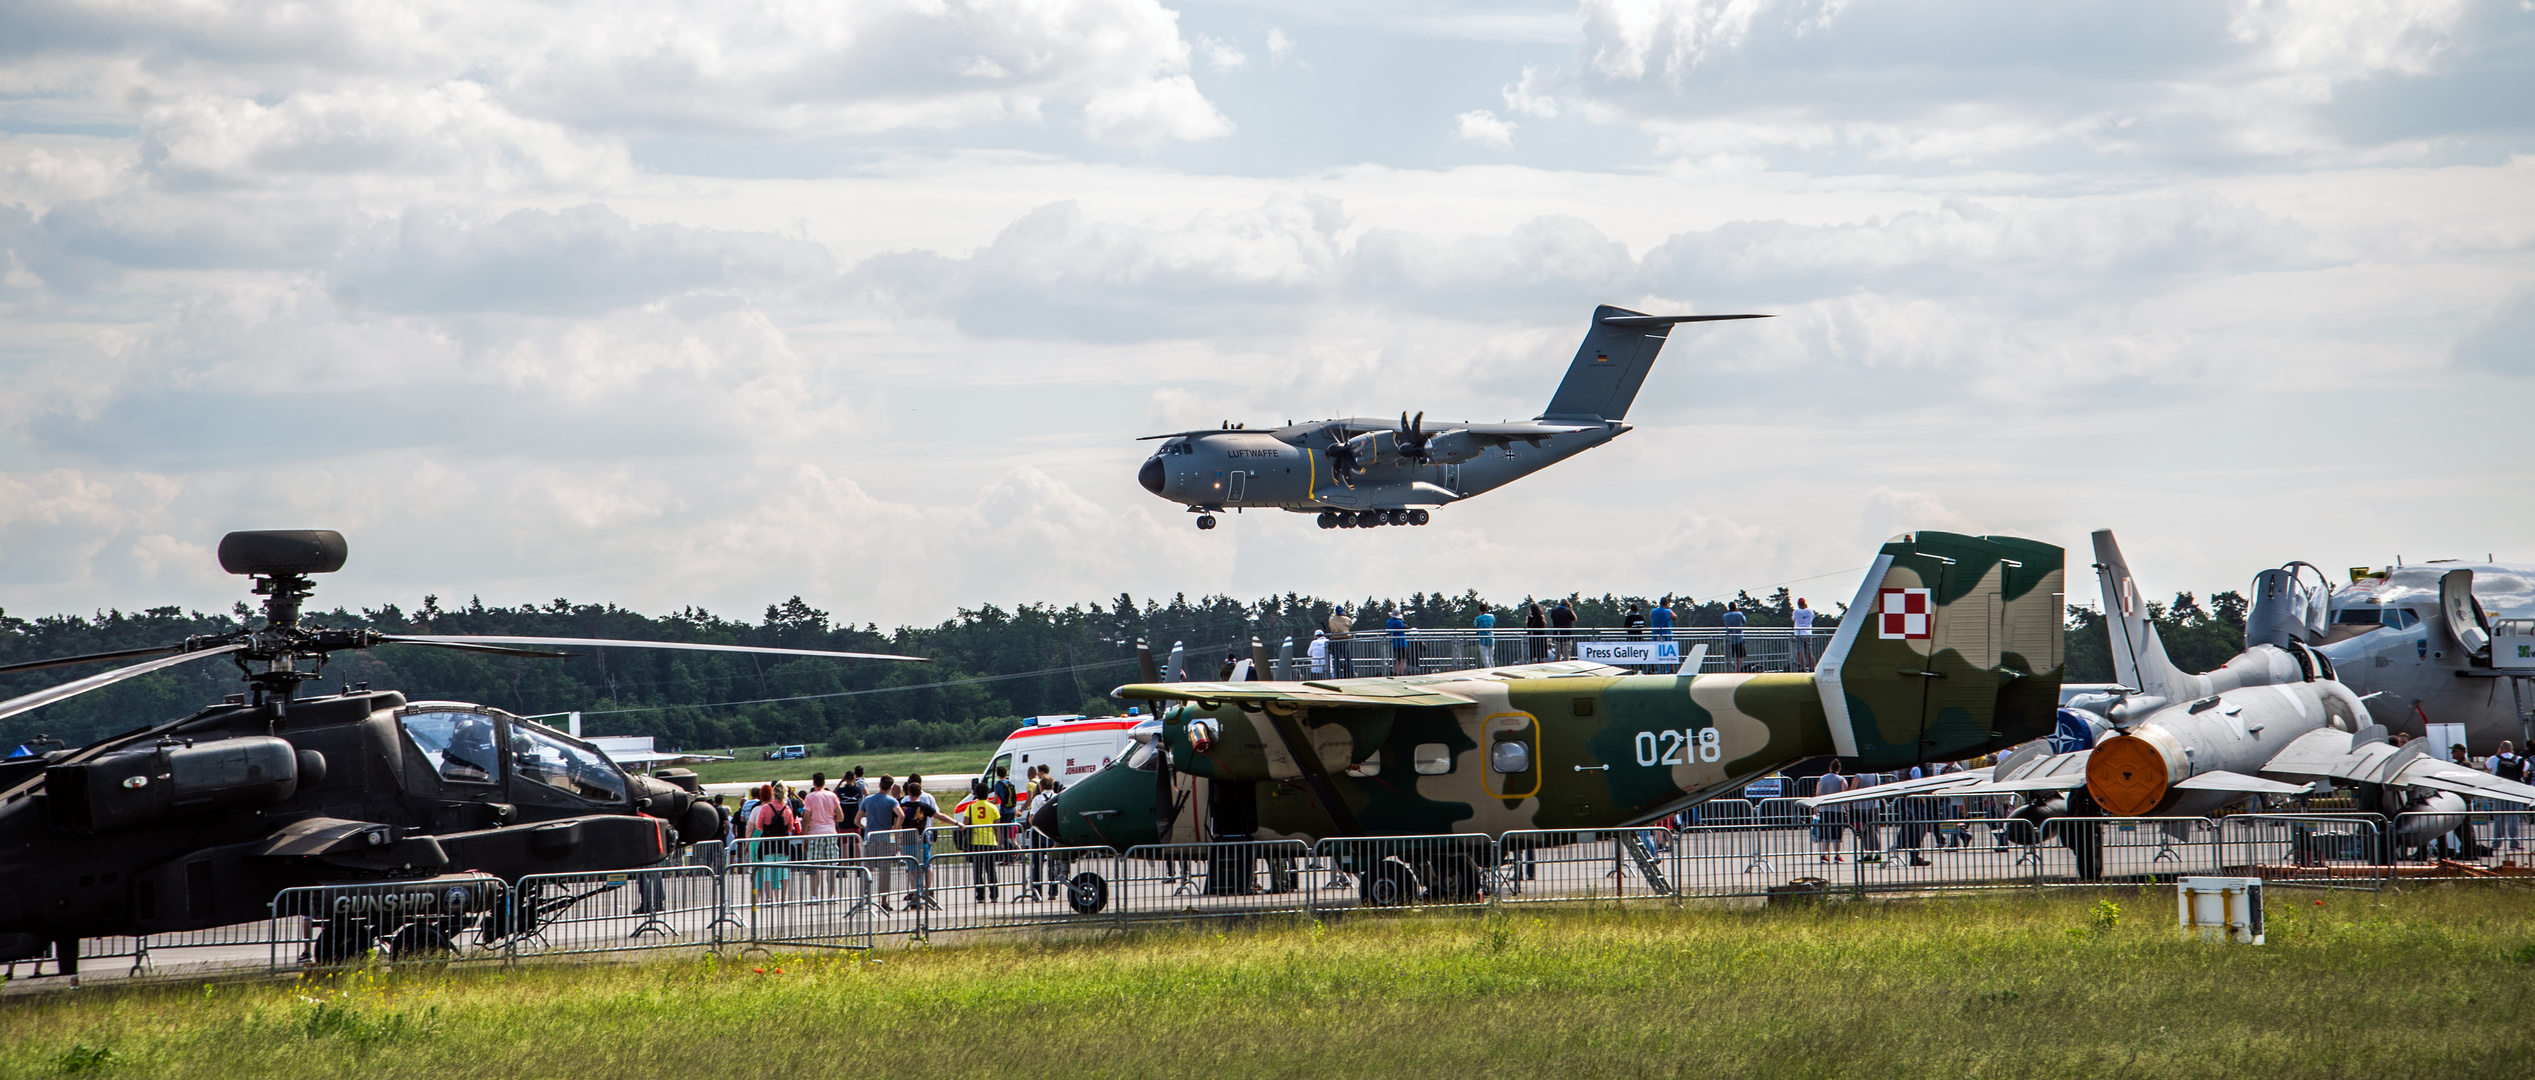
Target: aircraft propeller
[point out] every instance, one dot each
(1413, 436)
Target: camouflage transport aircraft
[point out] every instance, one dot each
(1951, 649)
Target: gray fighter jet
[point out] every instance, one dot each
(2431, 643)
(1360, 473)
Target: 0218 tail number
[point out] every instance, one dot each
(1674, 746)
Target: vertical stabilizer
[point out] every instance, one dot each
(2138, 654)
(1618, 350)
(1952, 648)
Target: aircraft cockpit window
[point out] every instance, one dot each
(1431, 759)
(2402, 618)
(2359, 616)
(1145, 756)
(565, 767)
(459, 744)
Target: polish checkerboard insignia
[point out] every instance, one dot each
(1902, 613)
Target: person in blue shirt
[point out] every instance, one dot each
(1485, 624)
(1660, 619)
(1734, 623)
(1399, 642)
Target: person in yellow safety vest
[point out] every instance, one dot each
(981, 816)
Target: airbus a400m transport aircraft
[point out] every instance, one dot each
(1951, 649)
(1359, 473)
(198, 822)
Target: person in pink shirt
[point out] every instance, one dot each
(821, 813)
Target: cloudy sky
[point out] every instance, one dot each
(665, 303)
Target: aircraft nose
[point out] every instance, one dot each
(1150, 475)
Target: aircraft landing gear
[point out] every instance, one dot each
(1346, 520)
(1328, 519)
(1416, 517)
(1205, 522)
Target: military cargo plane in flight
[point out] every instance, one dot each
(1951, 648)
(1363, 472)
(2441, 642)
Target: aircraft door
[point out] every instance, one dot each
(1240, 483)
(2464, 615)
(1513, 755)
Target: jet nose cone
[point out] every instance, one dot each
(1150, 475)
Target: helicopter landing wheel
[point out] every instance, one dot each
(1205, 522)
(1417, 517)
(1328, 520)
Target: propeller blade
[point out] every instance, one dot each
(91, 658)
(496, 650)
(614, 643)
(41, 698)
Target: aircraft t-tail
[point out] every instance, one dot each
(1951, 649)
(2271, 721)
(1364, 472)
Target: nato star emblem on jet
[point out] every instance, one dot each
(1365, 472)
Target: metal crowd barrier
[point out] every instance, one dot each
(461, 916)
(2126, 851)
(812, 903)
(1407, 871)
(1547, 865)
(2330, 851)
(619, 911)
(1216, 880)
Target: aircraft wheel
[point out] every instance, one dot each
(1395, 517)
(1417, 517)
(1087, 893)
(419, 938)
(1346, 520)
(1387, 884)
(1328, 520)
(1205, 521)
(342, 938)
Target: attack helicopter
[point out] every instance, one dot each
(199, 822)
(1951, 648)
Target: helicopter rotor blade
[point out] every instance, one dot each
(102, 679)
(614, 643)
(91, 658)
(398, 639)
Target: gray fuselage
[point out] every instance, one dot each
(1289, 468)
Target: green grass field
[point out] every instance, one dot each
(936, 766)
(2432, 983)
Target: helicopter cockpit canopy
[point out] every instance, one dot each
(459, 743)
(573, 770)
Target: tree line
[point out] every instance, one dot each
(992, 664)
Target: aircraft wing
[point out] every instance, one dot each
(2222, 780)
(1375, 691)
(1925, 785)
(2049, 772)
(1346, 692)
(2329, 755)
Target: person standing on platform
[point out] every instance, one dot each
(1319, 654)
(1562, 623)
(1634, 622)
(1341, 625)
(1536, 627)
(1803, 635)
(1485, 624)
(1401, 661)
(1734, 623)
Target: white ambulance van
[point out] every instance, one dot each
(1073, 746)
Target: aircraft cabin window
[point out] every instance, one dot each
(459, 744)
(565, 767)
(1431, 759)
(1510, 757)
(1370, 766)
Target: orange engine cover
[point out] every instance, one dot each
(2127, 775)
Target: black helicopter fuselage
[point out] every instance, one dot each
(201, 821)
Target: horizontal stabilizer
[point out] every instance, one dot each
(2222, 780)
